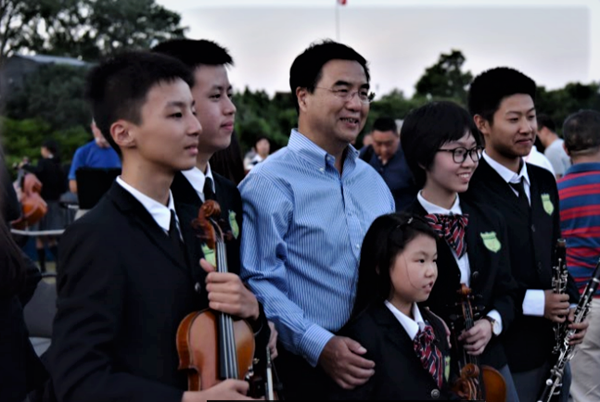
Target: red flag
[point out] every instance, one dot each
(342, 2)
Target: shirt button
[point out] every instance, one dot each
(475, 275)
(533, 228)
(358, 246)
(198, 287)
(321, 170)
(435, 394)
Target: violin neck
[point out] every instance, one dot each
(227, 350)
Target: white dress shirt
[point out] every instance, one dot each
(197, 178)
(159, 212)
(410, 325)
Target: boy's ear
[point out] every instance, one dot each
(121, 133)
(482, 124)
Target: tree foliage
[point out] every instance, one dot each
(445, 79)
(54, 94)
(85, 29)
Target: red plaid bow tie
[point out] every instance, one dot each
(452, 229)
(428, 353)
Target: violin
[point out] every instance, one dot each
(213, 346)
(467, 385)
(32, 204)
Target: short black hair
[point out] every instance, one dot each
(117, 87)
(194, 53)
(51, 146)
(543, 120)
(489, 88)
(385, 124)
(307, 68)
(427, 128)
(581, 132)
(386, 238)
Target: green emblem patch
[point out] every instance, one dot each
(209, 254)
(235, 229)
(491, 242)
(547, 203)
(447, 367)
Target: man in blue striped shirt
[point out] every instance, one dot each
(306, 211)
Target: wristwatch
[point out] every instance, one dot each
(495, 325)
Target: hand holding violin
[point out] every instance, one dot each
(476, 339)
(272, 345)
(226, 390)
(227, 293)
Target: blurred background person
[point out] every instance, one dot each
(387, 158)
(50, 173)
(579, 193)
(260, 150)
(553, 145)
(95, 154)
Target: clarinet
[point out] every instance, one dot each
(560, 275)
(566, 351)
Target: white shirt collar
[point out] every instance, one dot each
(436, 209)
(507, 175)
(197, 178)
(410, 326)
(160, 213)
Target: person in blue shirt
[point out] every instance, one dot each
(306, 209)
(387, 157)
(95, 154)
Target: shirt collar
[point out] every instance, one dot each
(583, 167)
(411, 326)
(316, 155)
(197, 178)
(436, 209)
(507, 175)
(160, 213)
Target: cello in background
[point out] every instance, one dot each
(467, 385)
(33, 205)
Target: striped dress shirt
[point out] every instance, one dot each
(579, 193)
(303, 229)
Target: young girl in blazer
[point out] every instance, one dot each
(407, 343)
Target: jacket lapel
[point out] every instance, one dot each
(496, 185)
(193, 245)
(140, 217)
(394, 331)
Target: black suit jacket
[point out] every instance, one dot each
(123, 289)
(399, 374)
(490, 280)
(532, 239)
(230, 200)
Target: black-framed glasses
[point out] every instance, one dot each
(344, 94)
(459, 155)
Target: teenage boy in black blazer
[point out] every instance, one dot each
(212, 93)
(501, 102)
(130, 270)
(443, 148)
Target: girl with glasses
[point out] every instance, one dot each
(443, 148)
